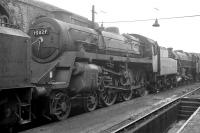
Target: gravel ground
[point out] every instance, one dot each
(104, 118)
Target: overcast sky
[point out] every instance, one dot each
(177, 33)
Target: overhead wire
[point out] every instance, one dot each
(164, 18)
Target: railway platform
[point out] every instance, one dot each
(192, 125)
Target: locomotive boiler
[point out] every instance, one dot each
(92, 66)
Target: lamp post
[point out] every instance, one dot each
(93, 15)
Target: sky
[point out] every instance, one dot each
(181, 33)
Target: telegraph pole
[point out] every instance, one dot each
(93, 15)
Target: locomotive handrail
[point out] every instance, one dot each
(95, 34)
(85, 42)
(122, 50)
(39, 39)
(81, 31)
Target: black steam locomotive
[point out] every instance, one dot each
(88, 66)
(78, 65)
(73, 65)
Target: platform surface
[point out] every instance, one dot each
(193, 124)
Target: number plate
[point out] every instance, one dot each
(40, 32)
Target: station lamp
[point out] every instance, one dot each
(156, 24)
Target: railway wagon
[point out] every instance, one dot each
(15, 87)
(91, 67)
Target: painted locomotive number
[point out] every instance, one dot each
(40, 32)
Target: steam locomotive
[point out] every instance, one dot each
(77, 65)
(73, 65)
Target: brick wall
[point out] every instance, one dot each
(24, 12)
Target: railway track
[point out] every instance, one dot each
(136, 108)
(160, 120)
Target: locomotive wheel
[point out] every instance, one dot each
(108, 97)
(127, 95)
(91, 102)
(60, 105)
